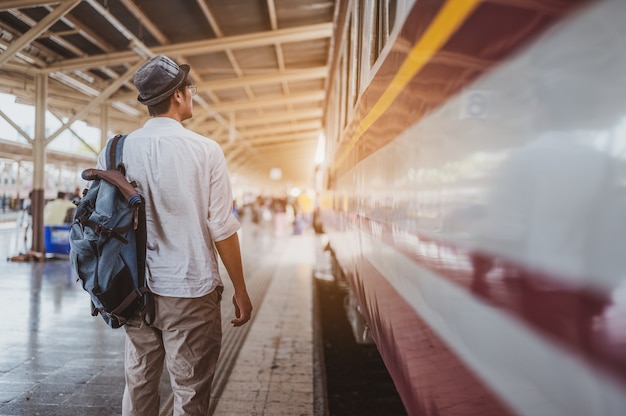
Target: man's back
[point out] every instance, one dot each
(183, 178)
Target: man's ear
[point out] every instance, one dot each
(178, 96)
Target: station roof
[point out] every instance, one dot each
(260, 65)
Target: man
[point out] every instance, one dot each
(185, 181)
(55, 212)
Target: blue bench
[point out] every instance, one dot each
(57, 239)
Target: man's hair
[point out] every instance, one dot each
(164, 106)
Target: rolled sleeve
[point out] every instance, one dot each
(221, 221)
(221, 230)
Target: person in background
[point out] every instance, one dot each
(25, 211)
(55, 212)
(185, 181)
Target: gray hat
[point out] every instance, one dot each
(158, 78)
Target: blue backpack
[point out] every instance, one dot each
(108, 242)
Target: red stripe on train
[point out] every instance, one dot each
(565, 314)
(430, 378)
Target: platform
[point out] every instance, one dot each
(55, 359)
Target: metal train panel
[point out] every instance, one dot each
(476, 202)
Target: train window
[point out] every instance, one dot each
(374, 37)
(383, 21)
(391, 15)
(333, 119)
(355, 54)
(344, 91)
(334, 123)
(349, 69)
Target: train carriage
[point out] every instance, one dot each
(474, 198)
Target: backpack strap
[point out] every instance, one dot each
(115, 149)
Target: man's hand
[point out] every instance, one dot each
(243, 308)
(231, 256)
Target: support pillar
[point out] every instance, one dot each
(104, 125)
(39, 162)
(18, 181)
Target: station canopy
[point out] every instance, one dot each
(261, 67)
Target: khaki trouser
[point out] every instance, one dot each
(186, 333)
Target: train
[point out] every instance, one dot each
(473, 194)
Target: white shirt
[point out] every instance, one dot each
(185, 182)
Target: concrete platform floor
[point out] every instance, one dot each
(56, 359)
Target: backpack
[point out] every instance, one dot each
(108, 242)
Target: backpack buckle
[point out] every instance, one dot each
(99, 229)
(109, 232)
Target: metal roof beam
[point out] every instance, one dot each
(285, 138)
(276, 77)
(35, 31)
(244, 105)
(145, 21)
(23, 151)
(281, 128)
(136, 44)
(16, 127)
(287, 75)
(250, 40)
(282, 117)
(97, 100)
(23, 4)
